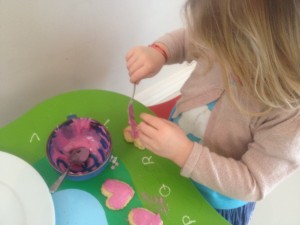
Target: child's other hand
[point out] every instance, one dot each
(164, 138)
(143, 62)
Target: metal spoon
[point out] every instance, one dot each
(77, 157)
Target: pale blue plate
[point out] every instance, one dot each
(78, 207)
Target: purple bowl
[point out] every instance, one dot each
(79, 132)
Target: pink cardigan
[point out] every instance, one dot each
(242, 157)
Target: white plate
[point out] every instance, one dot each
(24, 196)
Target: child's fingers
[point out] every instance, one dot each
(147, 130)
(153, 121)
(135, 67)
(138, 75)
(130, 61)
(129, 54)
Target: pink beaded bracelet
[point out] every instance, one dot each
(160, 50)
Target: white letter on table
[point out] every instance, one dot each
(186, 220)
(164, 191)
(147, 160)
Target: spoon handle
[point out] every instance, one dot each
(59, 180)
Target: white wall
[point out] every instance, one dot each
(281, 206)
(54, 46)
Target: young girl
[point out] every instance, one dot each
(235, 131)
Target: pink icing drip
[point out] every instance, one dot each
(121, 193)
(132, 122)
(141, 216)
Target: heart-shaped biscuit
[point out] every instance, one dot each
(142, 216)
(128, 137)
(117, 192)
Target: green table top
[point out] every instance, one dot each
(156, 181)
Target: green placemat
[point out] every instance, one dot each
(156, 181)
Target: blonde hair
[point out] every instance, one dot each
(256, 41)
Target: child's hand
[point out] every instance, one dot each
(164, 138)
(143, 62)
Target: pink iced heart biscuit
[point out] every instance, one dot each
(142, 216)
(117, 192)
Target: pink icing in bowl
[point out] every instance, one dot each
(79, 132)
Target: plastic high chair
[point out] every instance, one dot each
(164, 109)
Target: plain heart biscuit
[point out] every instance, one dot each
(128, 137)
(118, 193)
